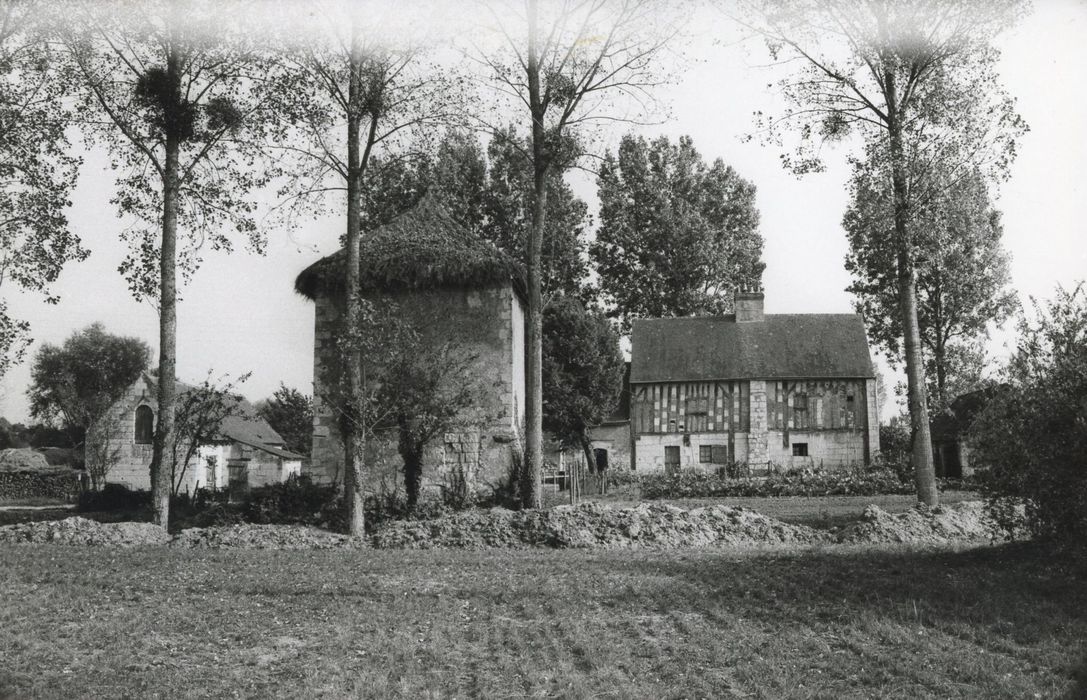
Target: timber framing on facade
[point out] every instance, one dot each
(791, 390)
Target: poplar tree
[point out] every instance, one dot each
(916, 82)
(566, 65)
(353, 92)
(166, 87)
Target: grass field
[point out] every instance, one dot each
(831, 623)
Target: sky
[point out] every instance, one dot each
(240, 313)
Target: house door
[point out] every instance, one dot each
(671, 459)
(600, 455)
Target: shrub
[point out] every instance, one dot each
(698, 484)
(622, 477)
(1032, 435)
(295, 501)
(113, 497)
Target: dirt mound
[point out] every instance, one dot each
(24, 460)
(84, 532)
(958, 522)
(260, 537)
(594, 525)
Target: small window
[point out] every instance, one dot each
(800, 449)
(713, 454)
(238, 475)
(800, 402)
(145, 425)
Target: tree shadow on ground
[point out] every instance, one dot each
(1022, 603)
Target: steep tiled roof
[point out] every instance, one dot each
(782, 346)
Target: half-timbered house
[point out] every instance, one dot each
(790, 390)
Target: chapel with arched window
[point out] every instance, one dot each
(145, 425)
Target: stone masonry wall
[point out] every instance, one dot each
(484, 321)
(872, 402)
(758, 445)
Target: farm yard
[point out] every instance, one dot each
(828, 622)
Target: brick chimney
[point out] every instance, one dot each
(748, 306)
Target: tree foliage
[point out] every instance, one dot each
(165, 87)
(583, 371)
(963, 276)
(37, 173)
(508, 206)
(290, 413)
(1032, 435)
(677, 236)
(78, 381)
(426, 389)
(917, 83)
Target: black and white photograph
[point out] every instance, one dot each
(543, 349)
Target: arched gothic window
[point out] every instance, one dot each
(145, 425)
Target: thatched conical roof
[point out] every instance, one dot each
(423, 248)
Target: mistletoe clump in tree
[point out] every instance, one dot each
(168, 88)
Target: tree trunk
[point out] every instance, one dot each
(924, 470)
(531, 478)
(590, 462)
(939, 357)
(161, 476)
(354, 439)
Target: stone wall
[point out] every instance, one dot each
(118, 430)
(488, 323)
(872, 402)
(615, 438)
(758, 449)
(649, 449)
(829, 449)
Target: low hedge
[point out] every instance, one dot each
(697, 484)
(22, 485)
